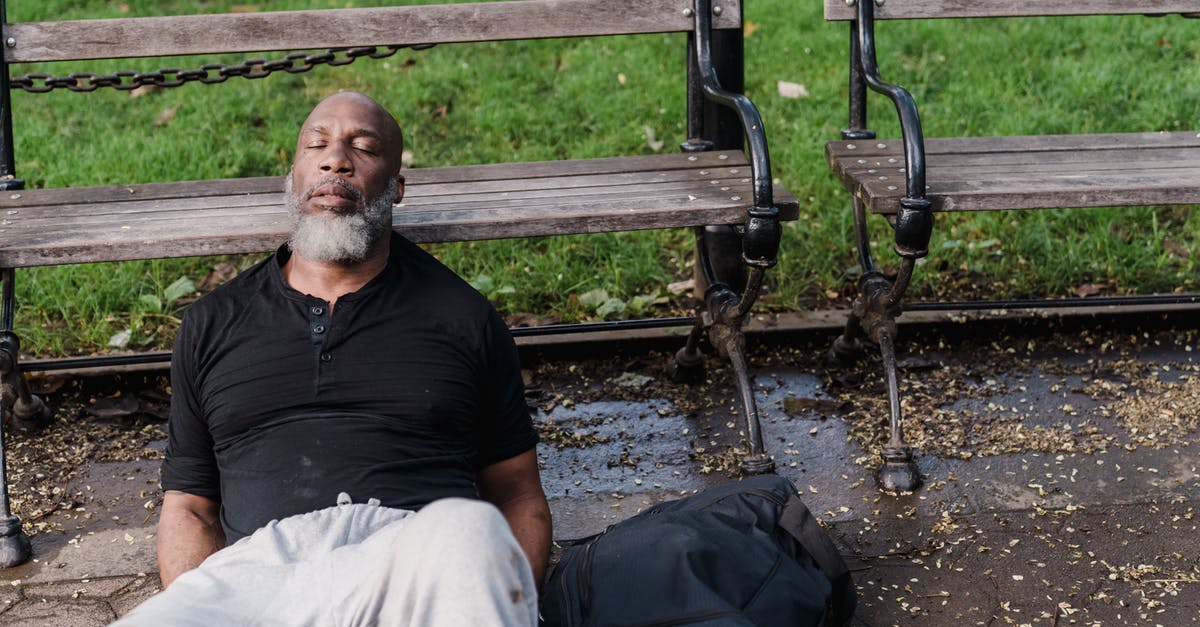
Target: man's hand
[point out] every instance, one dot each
(515, 487)
(189, 530)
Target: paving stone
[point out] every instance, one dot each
(59, 613)
(97, 588)
(132, 595)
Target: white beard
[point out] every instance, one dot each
(338, 238)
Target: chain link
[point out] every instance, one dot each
(210, 73)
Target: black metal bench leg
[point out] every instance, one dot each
(721, 274)
(875, 312)
(732, 342)
(899, 471)
(27, 409)
(687, 366)
(847, 347)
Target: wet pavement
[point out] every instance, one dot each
(1060, 460)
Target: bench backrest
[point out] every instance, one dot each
(332, 28)
(915, 9)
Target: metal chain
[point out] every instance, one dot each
(293, 63)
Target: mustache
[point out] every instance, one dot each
(334, 180)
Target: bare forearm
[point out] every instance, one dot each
(531, 524)
(185, 538)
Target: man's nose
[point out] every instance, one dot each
(336, 161)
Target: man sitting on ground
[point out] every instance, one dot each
(349, 440)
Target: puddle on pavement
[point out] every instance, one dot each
(631, 446)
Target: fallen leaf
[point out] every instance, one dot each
(113, 407)
(680, 287)
(651, 141)
(144, 90)
(793, 406)
(749, 29)
(631, 380)
(621, 78)
(529, 320)
(1089, 289)
(788, 89)
(243, 8)
(165, 117)
(120, 340)
(219, 274)
(1176, 250)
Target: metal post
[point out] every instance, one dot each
(695, 103)
(858, 92)
(711, 126)
(721, 124)
(8, 168)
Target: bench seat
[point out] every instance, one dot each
(1031, 172)
(192, 218)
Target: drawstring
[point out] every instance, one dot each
(344, 499)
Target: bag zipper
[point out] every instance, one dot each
(585, 577)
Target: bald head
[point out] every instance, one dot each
(361, 113)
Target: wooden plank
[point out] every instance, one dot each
(332, 28)
(977, 166)
(491, 191)
(95, 216)
(415, 178)
(35, 221)
(974, 174)
(1018, 143)
(916, 9)
(706, 190)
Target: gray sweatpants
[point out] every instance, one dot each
(455, 563)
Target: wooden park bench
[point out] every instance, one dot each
(909, 179)
(710, 185)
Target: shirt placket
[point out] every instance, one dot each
(319, 324)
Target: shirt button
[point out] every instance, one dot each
(326, 357)
(316, 311)
(320, 328)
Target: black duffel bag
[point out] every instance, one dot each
(744, 553)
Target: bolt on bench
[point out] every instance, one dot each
(711, 186)
(908, 180)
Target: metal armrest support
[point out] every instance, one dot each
(914, 223)
(760, 242)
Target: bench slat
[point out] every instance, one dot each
(460, 203)
(456, 175)
(440, 197)
(915, 9)
(331, 28)
(980, 173)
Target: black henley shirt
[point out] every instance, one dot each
(402, 393)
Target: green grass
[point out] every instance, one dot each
(584, 98)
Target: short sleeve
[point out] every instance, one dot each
(502, 417)
(190, 465)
